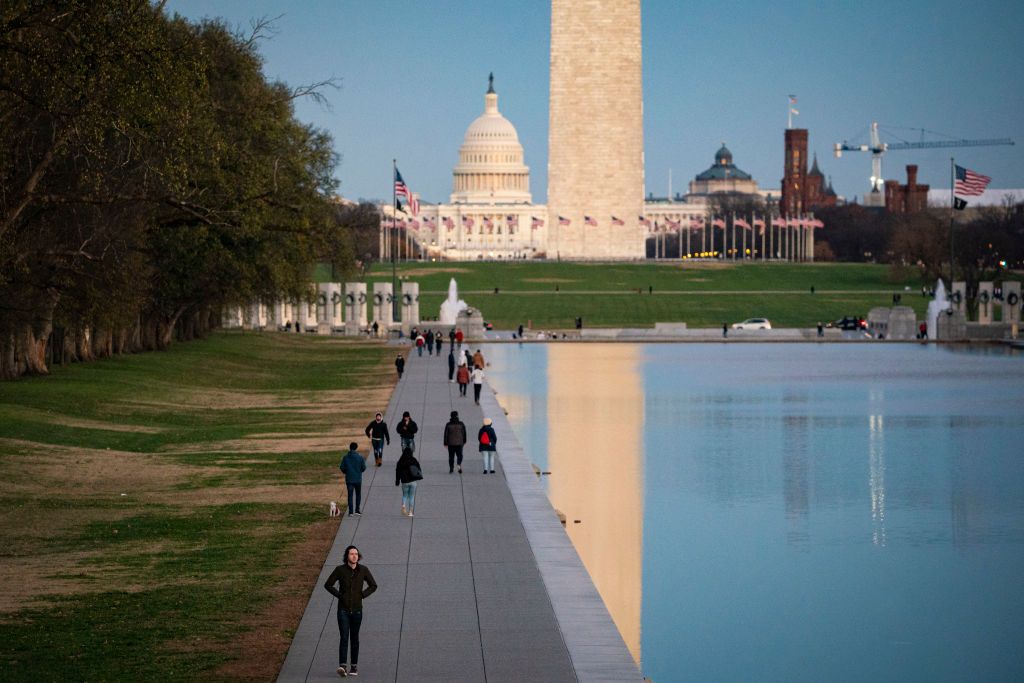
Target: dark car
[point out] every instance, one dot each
(849, 323)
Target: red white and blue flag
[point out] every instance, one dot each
(969, 183)
(536, 223)
(402, 190)
(617, 221)
(644, 221)
(562, 220)
(587, 220)
(448, 223)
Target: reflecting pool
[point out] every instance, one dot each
(788, 511)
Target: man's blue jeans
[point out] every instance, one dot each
(348, 625)
(409, 495)
(355, 493)
(409, 442)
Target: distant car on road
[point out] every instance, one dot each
(849, 323)
(753, 324)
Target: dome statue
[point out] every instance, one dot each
(491, 168)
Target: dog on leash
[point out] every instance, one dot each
(335, 512)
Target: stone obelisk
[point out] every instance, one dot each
(595, 137)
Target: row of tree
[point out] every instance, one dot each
(149, 175)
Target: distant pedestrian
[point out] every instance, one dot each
(462, 377)
(520, 331)
(400, 365)
(438, 343)
(407, 473)
(650, 289)
(429, 339)
(420, 342)
(451, 366)
(378, 433)
(459, 336)
(488, 441)
(821, 329)
(451, 338)
(375, 327)
(478, 359)
(350, 577)
(454, 439)
(812, 289)
(725, 330)
(478, 383)
(352, 466)
(406, 430)
(923, 329)
(468, 356)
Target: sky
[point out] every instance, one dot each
(413, 74)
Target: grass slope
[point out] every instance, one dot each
(227, 449)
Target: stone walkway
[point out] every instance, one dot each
(482, 585)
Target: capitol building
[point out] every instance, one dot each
(490, 214)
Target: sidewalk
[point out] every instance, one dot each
(482, 585)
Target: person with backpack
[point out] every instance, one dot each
(350, 577)
(488, 441)
(353, 465)
(420, 343)
(454, 439)
(378, 433)
(406, 429)
(462, 377)
(407, 473)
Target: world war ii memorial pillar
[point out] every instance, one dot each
(383, 305)
(355, 308)
(410, 306)
(985, 303)
(595, 134)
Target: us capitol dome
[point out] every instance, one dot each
(491, 168)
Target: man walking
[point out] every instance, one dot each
(454, 439)
(462, 376)
(451, 366)
(352, 466)
(378, 433)
(406, 429)
(478, 383)
(350, 577)
(400, 365)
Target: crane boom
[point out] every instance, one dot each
(950, 143)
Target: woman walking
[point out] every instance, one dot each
(488, 441)
(462, 377)
(407, 473)
(478, 383)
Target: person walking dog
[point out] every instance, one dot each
(353, 465)
(454, 439)
(488, 441)
(351, 578)
(407, 473)
(378, 433)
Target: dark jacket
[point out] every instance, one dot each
(451, 362)
(402, 475)
(350, 591)
(353, 465)
(455, 433)
(492, 437)
(407, 431)
(378, 430)
(400, 363)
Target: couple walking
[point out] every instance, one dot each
(455, 439)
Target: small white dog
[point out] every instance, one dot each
(335, 512)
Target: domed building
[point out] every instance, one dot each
(491, 167)
(723, 176)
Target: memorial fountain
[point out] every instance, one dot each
(940, 304)
(451, 306)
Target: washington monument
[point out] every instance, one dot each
(595, 138)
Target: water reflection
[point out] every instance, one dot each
(596, 414)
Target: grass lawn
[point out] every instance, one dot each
(702, 295)
(163, 515)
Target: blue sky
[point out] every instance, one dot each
(413, 75)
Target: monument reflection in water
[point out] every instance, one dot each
(788, 511)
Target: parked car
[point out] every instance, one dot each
(753, 324)
(849, 323)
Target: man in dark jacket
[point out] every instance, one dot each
(350, 577)
(451, 366)
(400, 365)
(378, 433)
(407, 429)
(353, 465)
(488, 441)
(454, 439)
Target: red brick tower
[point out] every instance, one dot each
(794, 179)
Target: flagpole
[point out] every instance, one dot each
(952, 186)
(394, 226)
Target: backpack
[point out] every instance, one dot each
(485, 438)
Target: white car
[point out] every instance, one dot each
(753, 324)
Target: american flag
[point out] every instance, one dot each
(742, 223)
(587, 220)
(675, 225)
(969, 183)
(536, 223)
(815, 223)
(414, 224)
(448, 223)
(487, 222)
(562, 220)
(759, 224)
(694, 223)
(779, 222)
(644, 221)
(718, 223)
(617, 221)
(402, 190)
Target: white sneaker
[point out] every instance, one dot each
(342, 671)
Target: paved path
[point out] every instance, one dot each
(482, 585)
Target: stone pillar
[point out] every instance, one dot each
(307, 314)
(279, 314)
(332, 315)
(1011, 302)
(383, 305)
(985, 303)
(958, 297)
(257, 315)
(355, 307)
(951, 325)
(878, 322)
(902, 323)
(410, 306)
(232, 318)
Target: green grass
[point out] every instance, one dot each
(164, 587)
(605, 295)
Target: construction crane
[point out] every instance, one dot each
(877, 148)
